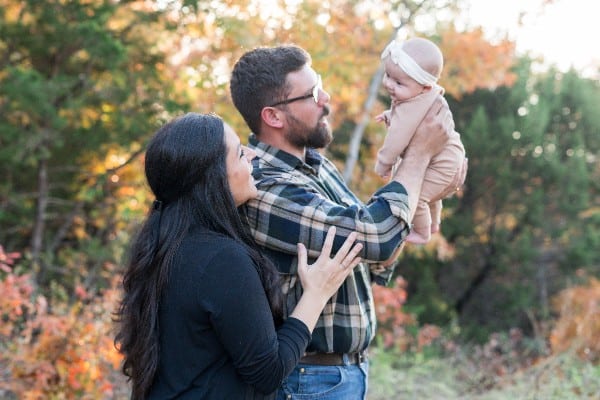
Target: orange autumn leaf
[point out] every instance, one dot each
(472, 62)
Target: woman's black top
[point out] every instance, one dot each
(217, 336)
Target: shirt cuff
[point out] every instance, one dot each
(397, 197)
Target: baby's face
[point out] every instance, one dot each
(398, 84)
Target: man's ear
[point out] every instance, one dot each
(272, 117)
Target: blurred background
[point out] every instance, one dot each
(504, 303)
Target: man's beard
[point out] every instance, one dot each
(301, 135)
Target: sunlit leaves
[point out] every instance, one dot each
(472, 62)
(67, 353)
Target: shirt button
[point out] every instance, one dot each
(289, 396)
(301, 370)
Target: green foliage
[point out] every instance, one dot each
(394, 376)
(78, 80)
(580, 251)
(83, 84)
(527, 218)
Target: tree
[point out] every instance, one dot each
(532, 150)
(79, 80)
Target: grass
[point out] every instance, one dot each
(408, 377)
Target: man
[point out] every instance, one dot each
(301, 194)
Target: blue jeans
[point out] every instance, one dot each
(335, 382)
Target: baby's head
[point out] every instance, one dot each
(411, 67)
(426, 54)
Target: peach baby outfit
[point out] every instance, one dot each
(443, 175)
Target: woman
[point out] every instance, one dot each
(201, 315)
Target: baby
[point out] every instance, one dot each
(412, 69)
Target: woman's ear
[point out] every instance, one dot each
(272, 117)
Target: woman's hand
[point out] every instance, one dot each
(324, 277)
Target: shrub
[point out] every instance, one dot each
(578, 324)
(397, 329)
(65, 353)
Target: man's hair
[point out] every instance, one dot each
(259, 79)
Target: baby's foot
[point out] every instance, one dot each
(416, 238)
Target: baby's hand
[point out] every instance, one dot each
(384, 117)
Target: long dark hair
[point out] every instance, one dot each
(186, 170)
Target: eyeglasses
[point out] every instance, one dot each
(314, 94)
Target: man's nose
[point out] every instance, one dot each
(324, 97)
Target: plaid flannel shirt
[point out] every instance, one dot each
(297, 202)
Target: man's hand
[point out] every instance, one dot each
(433, 132)
(429, 139)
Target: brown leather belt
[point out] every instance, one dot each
(333, 358)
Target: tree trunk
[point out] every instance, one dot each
(363, 120)
(37, 237)
(359, 129)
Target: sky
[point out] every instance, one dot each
(565, 33)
